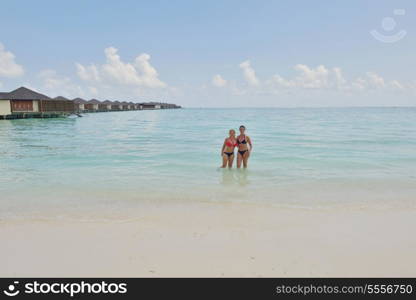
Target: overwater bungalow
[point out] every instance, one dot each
(102, 106)
(79, 104)
(108, 105)
(21, 100)
(168, 106)
(150, 105)
(116, 105)
(92, 105)
(4, 105)
(61, 98)
(57, 105)
(131, 105)
(25, 103)
(124, 105)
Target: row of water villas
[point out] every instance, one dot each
(25, 103)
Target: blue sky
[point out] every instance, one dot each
(212, 53)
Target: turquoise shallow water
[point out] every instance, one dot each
(301, 157)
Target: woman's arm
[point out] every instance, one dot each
(250, 143)
(223, 147)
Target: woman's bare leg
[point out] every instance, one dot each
(230, 161)
(224, 160)
(239, 160)
(245, 159)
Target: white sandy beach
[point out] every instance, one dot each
(212, 239)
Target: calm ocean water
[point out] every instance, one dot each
(302, 157)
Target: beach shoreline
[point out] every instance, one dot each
(214, 240)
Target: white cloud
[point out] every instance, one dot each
(309, 78)
(359, 84)
(395, 84)
(374, 80)
(147, 73)
(279, 81)
(312, 78)
(370, 81)
(89, 73)
(51, 79)
(124, 73)
(249, 73)
(339, 78)
(56, 85)
(320, 78)
(8, 66)
(140, 73)
(218, 81)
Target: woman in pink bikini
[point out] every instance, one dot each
(227, 151)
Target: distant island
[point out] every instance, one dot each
(24, 103)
